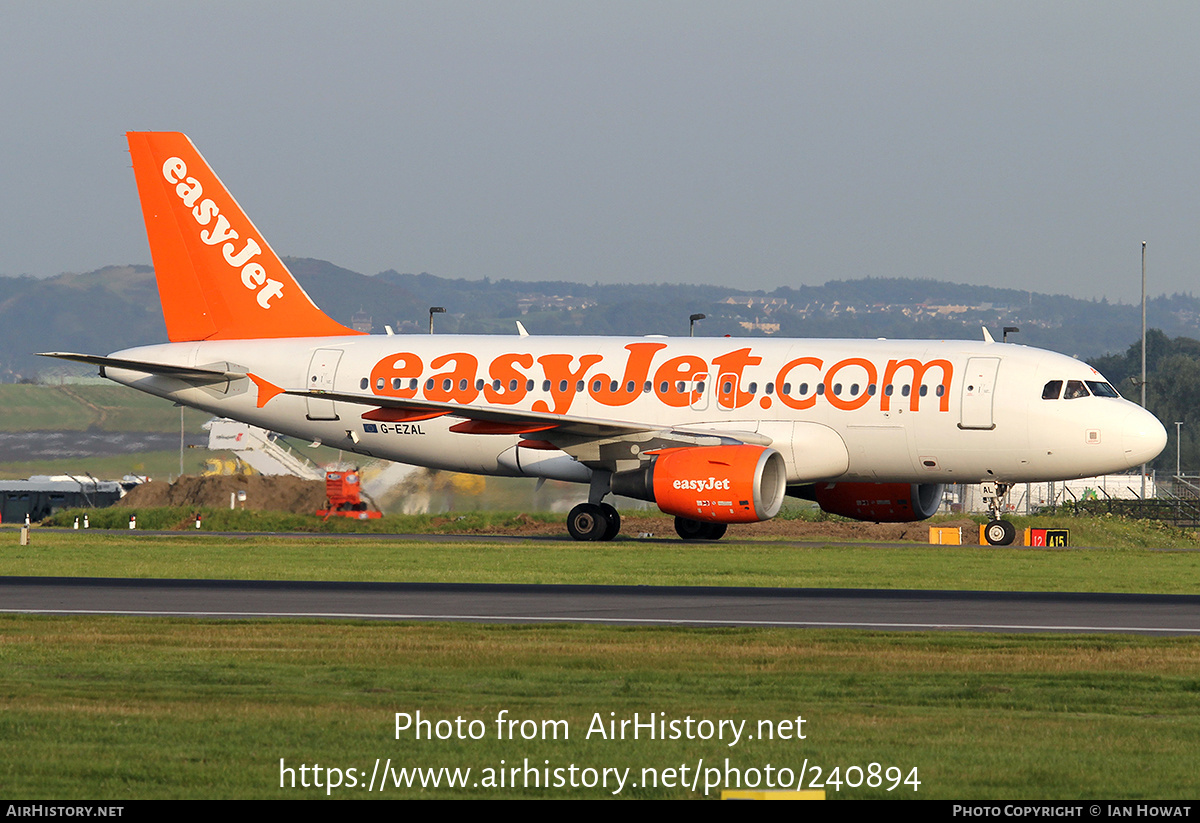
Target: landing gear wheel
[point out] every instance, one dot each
(690, 529)
(587, 521)
(1000, 533)
(614, 521)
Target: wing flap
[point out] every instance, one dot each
(595, 440)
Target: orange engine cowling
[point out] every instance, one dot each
(718, 484)
(880, 502)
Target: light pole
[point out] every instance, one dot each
(441, 310)
(692, 323)
(1178, 423)
(1143, 352)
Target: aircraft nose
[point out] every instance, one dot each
(1142, 437)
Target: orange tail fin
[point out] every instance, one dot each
(217, 277)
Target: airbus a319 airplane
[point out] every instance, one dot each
(714, 431)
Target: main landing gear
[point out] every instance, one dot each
(997, 532)
(594, 521)
(699, 529)
(600, 521)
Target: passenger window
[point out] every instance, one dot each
(1075, 389)
(1052, 390)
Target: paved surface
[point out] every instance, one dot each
(638, 605)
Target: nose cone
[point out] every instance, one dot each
(1142, 437)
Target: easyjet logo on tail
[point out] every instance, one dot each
(205, 211)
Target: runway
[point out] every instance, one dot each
(878, 609)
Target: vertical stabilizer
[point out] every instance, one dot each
(217, 277)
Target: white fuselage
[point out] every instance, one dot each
(848, 410)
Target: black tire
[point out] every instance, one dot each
(614, 521)
(587, 522)
(690, 529)
(1000, 533)
(716, 531)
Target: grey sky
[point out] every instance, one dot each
(1032, 145)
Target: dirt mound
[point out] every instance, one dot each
(286, 494)
(291, 494)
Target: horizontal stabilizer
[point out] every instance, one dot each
(164, 369)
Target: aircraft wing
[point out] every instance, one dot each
(164, 369)
(596, 441)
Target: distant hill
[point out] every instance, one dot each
(117, 307)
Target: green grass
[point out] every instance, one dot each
(122, 708)
(623, 562)
(78, 407)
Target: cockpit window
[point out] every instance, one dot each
(1075, 389)
(1052, 390)
(1102, 389)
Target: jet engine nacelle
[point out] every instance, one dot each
(717, 484)
(880, 502)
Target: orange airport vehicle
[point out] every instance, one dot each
(343, 497)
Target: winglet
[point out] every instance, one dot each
(217, 277)
(521, 329)
(266, 389)
(987, 336)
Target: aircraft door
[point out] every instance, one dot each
(727, 390)
(321, 371)
(699, 387)
(978, 392)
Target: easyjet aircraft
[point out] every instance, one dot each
(713, 431)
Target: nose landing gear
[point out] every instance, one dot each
(997, 532)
